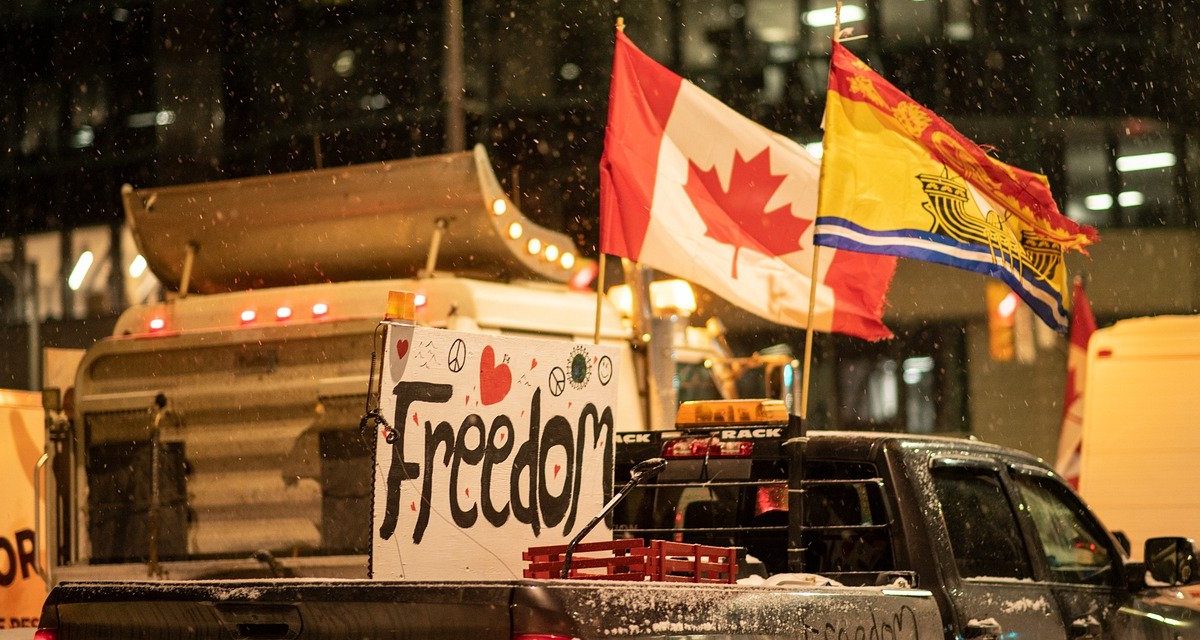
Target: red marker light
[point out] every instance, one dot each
(319, 309)
(1104, 353)
(45, 634)
(707, 448)
(248, 316)
(283, 313)
(157, 324)
(582, 279)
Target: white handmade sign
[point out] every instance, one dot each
(497, 444)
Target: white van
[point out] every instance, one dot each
(1141, 434)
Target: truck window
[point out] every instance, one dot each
(982, 524)
(1072, 543)
(847, 523)
(119, 501)
(694, 381)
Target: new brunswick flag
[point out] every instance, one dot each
(898, 180)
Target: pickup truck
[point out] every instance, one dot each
(1006, 548)
(902, 537)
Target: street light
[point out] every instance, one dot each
(80, 271)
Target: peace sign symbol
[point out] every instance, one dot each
(457, 356)
(604, 370)
(558, 381)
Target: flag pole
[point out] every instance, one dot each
(599, 298)
(600, 277)
(806, 375)
(808, 336)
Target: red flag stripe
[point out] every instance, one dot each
(1070, 440)
(1083, 322)
(859, 273)
(639, 103)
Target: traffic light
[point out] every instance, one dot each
(1002, 306)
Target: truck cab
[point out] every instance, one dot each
(1007, 549)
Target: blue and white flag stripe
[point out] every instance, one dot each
(840, 233)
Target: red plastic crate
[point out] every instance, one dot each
(681, 562)
(632, 560)
(609, 560)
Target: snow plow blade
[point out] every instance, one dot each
(361, 222)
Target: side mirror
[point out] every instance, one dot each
(1123, 540)
(1172, 561)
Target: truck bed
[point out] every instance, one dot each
(575, 609)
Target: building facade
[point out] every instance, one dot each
(1096, 94)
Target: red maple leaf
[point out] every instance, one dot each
(738, 217)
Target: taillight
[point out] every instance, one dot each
(540, 636)
(707, 447)
(45, 634)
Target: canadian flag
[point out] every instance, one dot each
(1070, 438)
(690, 187)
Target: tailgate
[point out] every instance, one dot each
(279, 610)
(691, 611)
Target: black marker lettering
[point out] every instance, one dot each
(406, 393)
(554, 507)
(443, 434)
(493, 455)
(527, 458)
(465, 518)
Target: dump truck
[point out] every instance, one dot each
(212, 434)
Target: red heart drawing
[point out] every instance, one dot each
(494, 380)
(533, 365)
(557, 468)
(402, 348)
(415, 421)
(412, 506)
